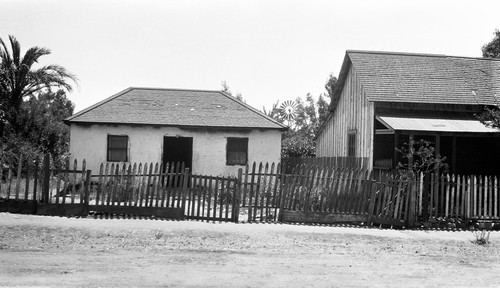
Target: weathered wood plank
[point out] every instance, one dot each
(172, 213)
(321, 217)
(62, 210)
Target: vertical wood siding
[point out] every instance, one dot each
(354, 112)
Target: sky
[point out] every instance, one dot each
(268, 51)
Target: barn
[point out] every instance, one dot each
(387, 98)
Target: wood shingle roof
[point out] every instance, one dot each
(423, 78)
(175, 107)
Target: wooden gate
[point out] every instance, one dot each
(213, 198)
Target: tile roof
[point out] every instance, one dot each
(175, 107)
(423, 78)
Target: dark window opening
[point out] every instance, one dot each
(237, 151)
(351, 144)
(117, 148)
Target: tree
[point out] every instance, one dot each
(274, 112)
(41, 128)
(330, 86)
(491, 115)
(19, 79)
(298, 141)
(492, 49)
(225, 88)
(323, 110)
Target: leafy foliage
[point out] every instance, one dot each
(481, 237)
(491, 115)
(492, 49)
(310, 114)
(423, 157)
(40, 127)
(330, 85)
(31, 114)
(226, 89)
(19, 78)
(295, 144)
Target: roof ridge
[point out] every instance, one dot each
(418, 54)
(174, 89)
(395, 53)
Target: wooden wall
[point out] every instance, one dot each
(324, 142)
(354, 112)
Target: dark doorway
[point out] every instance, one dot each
(178, 149)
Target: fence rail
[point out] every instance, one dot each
(327, 162)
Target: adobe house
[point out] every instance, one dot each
(210, 131)
(385, 98)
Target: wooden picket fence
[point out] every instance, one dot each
(262, 192)
(465, 197)
(321, 194)
(140, 189)
(34, 187)
(20, 184)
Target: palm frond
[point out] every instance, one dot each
(16, 49)
(31, 56)
(4, 54)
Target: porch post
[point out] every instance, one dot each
(412, 211)
(438, 149)
(410, 153)
(396, 153)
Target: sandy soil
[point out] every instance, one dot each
(88, 252)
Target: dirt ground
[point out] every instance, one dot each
(87, 252)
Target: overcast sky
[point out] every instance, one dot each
(266, 50)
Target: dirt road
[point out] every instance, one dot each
(88, 252)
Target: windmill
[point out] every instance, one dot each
(287, 111)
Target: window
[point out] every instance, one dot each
(117, 148)
(237, 151)
(351, 144)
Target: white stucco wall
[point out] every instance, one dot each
(89, 142)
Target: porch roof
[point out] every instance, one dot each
(434, 124)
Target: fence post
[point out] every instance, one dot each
(412, 213)
(184, 190)
(18, 180)
(426, 196)
(87, 188)
(35, 179)
(282, 195)
(237, 197)
(46, 179)
(371, 201)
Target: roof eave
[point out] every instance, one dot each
(69, 122)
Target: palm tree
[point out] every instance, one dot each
(19, 79)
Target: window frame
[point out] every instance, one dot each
(228, 146)
(351, 143)
(108, 148)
